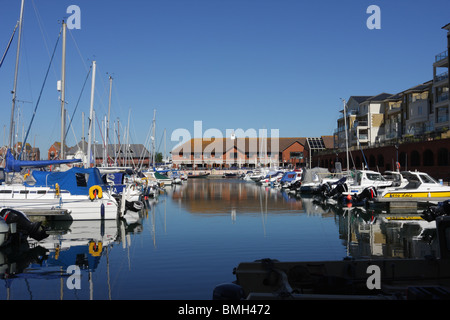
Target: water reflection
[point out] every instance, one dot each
(293, 227)
(70, 243)
(365, 233)
(372, 233)
(215, 196)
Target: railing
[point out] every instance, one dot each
(442, 97)
(441, 76)
(441, 56)
(360, 123)
(349, 113)
(441, 119)
(364, 136)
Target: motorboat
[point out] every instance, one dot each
(289, 178)
(363, 179)
(358, 187)
(198, 175)
(271, 178)
(420, 186)
(396, 177)
(160, 178)
(313, 179)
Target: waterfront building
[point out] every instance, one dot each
(364, 116)
(418, 108)
(393, 118)
(441, 85)
(348, 119)
(407, 130)
(248, 152)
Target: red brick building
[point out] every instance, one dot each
(246, 152)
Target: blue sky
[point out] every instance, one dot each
(232, 64)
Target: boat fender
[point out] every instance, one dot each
(228, 291)
(57, 190)
(102, 211)
(95, 192)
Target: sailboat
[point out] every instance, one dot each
(76, 194)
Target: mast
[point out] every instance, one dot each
(346, 134)
(107, 121)
(91, 116)
(63, 92)
(11, 128)
(153, 145)
(127, 145)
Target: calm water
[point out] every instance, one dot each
(190, 240)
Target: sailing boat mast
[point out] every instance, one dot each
(91, 116)
(11, 128)
(153, 145)
(107, 121)
(346, 133)
(63, 92)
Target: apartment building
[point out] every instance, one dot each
(364, 117)
(417, 111)
(441, 85)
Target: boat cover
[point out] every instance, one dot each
(76, 180)
(13, 165)
(289, 176)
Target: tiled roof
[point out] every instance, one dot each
(247, 143)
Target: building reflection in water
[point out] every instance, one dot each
(365, 233)
(216, 196)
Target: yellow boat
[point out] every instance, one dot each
(420, 185)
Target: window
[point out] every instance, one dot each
(374, 177)
(81, 179)
(442, 114)
(296, 155)
(443, 157)
(428, 158)
(427, 179)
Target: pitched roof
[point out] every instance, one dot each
(328, 141)
(380, 97)
(137, 150)
(247, 143)
(360, 99)
(420, 87)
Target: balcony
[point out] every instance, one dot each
(442, 97)
(441, 56)
(363, 137)
(359, 123)
(348, 114)
(440, 77)
(442, 119)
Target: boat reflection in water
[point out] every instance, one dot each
(364, 232)
(193, 238)
(79, 245)
(410, 253)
